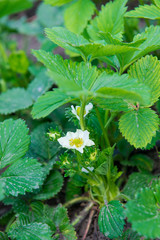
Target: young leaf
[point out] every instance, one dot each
(40, 84)
(49, 102)
(78, 44)
(68, 75)
(62, 224)
(51, 186)
(110, 19)
(22, 176)
(145, 11)
(136, 182)
(138, 127)
(83, 11)
(57, 2)
(143, 212)
(151, 43)
(31, 231)
(14, 99)
(13, 6)
(147, 71)
(14, 141)
(111, 219)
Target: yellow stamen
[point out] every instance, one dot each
(79, 110)
(78, 142)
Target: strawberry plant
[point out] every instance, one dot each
(92, 136)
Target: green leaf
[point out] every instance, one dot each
(14, 141)
(129, 235)
(22, 176)
(57, 2)
(72, 190)
(51, 186)
(68, 75)
(2, 196)
(136, 182)
(83, 11)
(111, 219)
(143, 212)
(49, 102)
(13, 6)
(147, 71)
(3, 236)
(18, 62)
(14, 99)
(151, 43)
(139, 126)
(31, 231)
(41, 147)
(40, 84)
(110, 19)
(62, 224)
(142, 162)
(78, 44)
(145, 11)
(123, 91)
(157, 2)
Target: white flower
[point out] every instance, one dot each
(76, 110)
(76, 140)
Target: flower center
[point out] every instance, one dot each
(78, 142)
(79, 110)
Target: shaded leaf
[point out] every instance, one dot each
(51, 186)
(14, 99)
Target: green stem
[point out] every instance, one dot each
(110, 119)
(102, 127)
(82, 123)
(76, 200)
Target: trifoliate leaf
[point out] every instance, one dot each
(51, 186)
(14, 99)
(68, 75)
(40, 84)
(76, 43)
(139, 126)
(18, 62)
(31, 231)
(147, 71)
(13, 6)
(22, 176)
(62, 224)
(145, 11)
(136, 182)
(14, 141)
(110, 19)
(57, 2)
(49, 102)
(111, 219)
(151, 34)
(143, 212)
(83, 11)
(41, 147)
